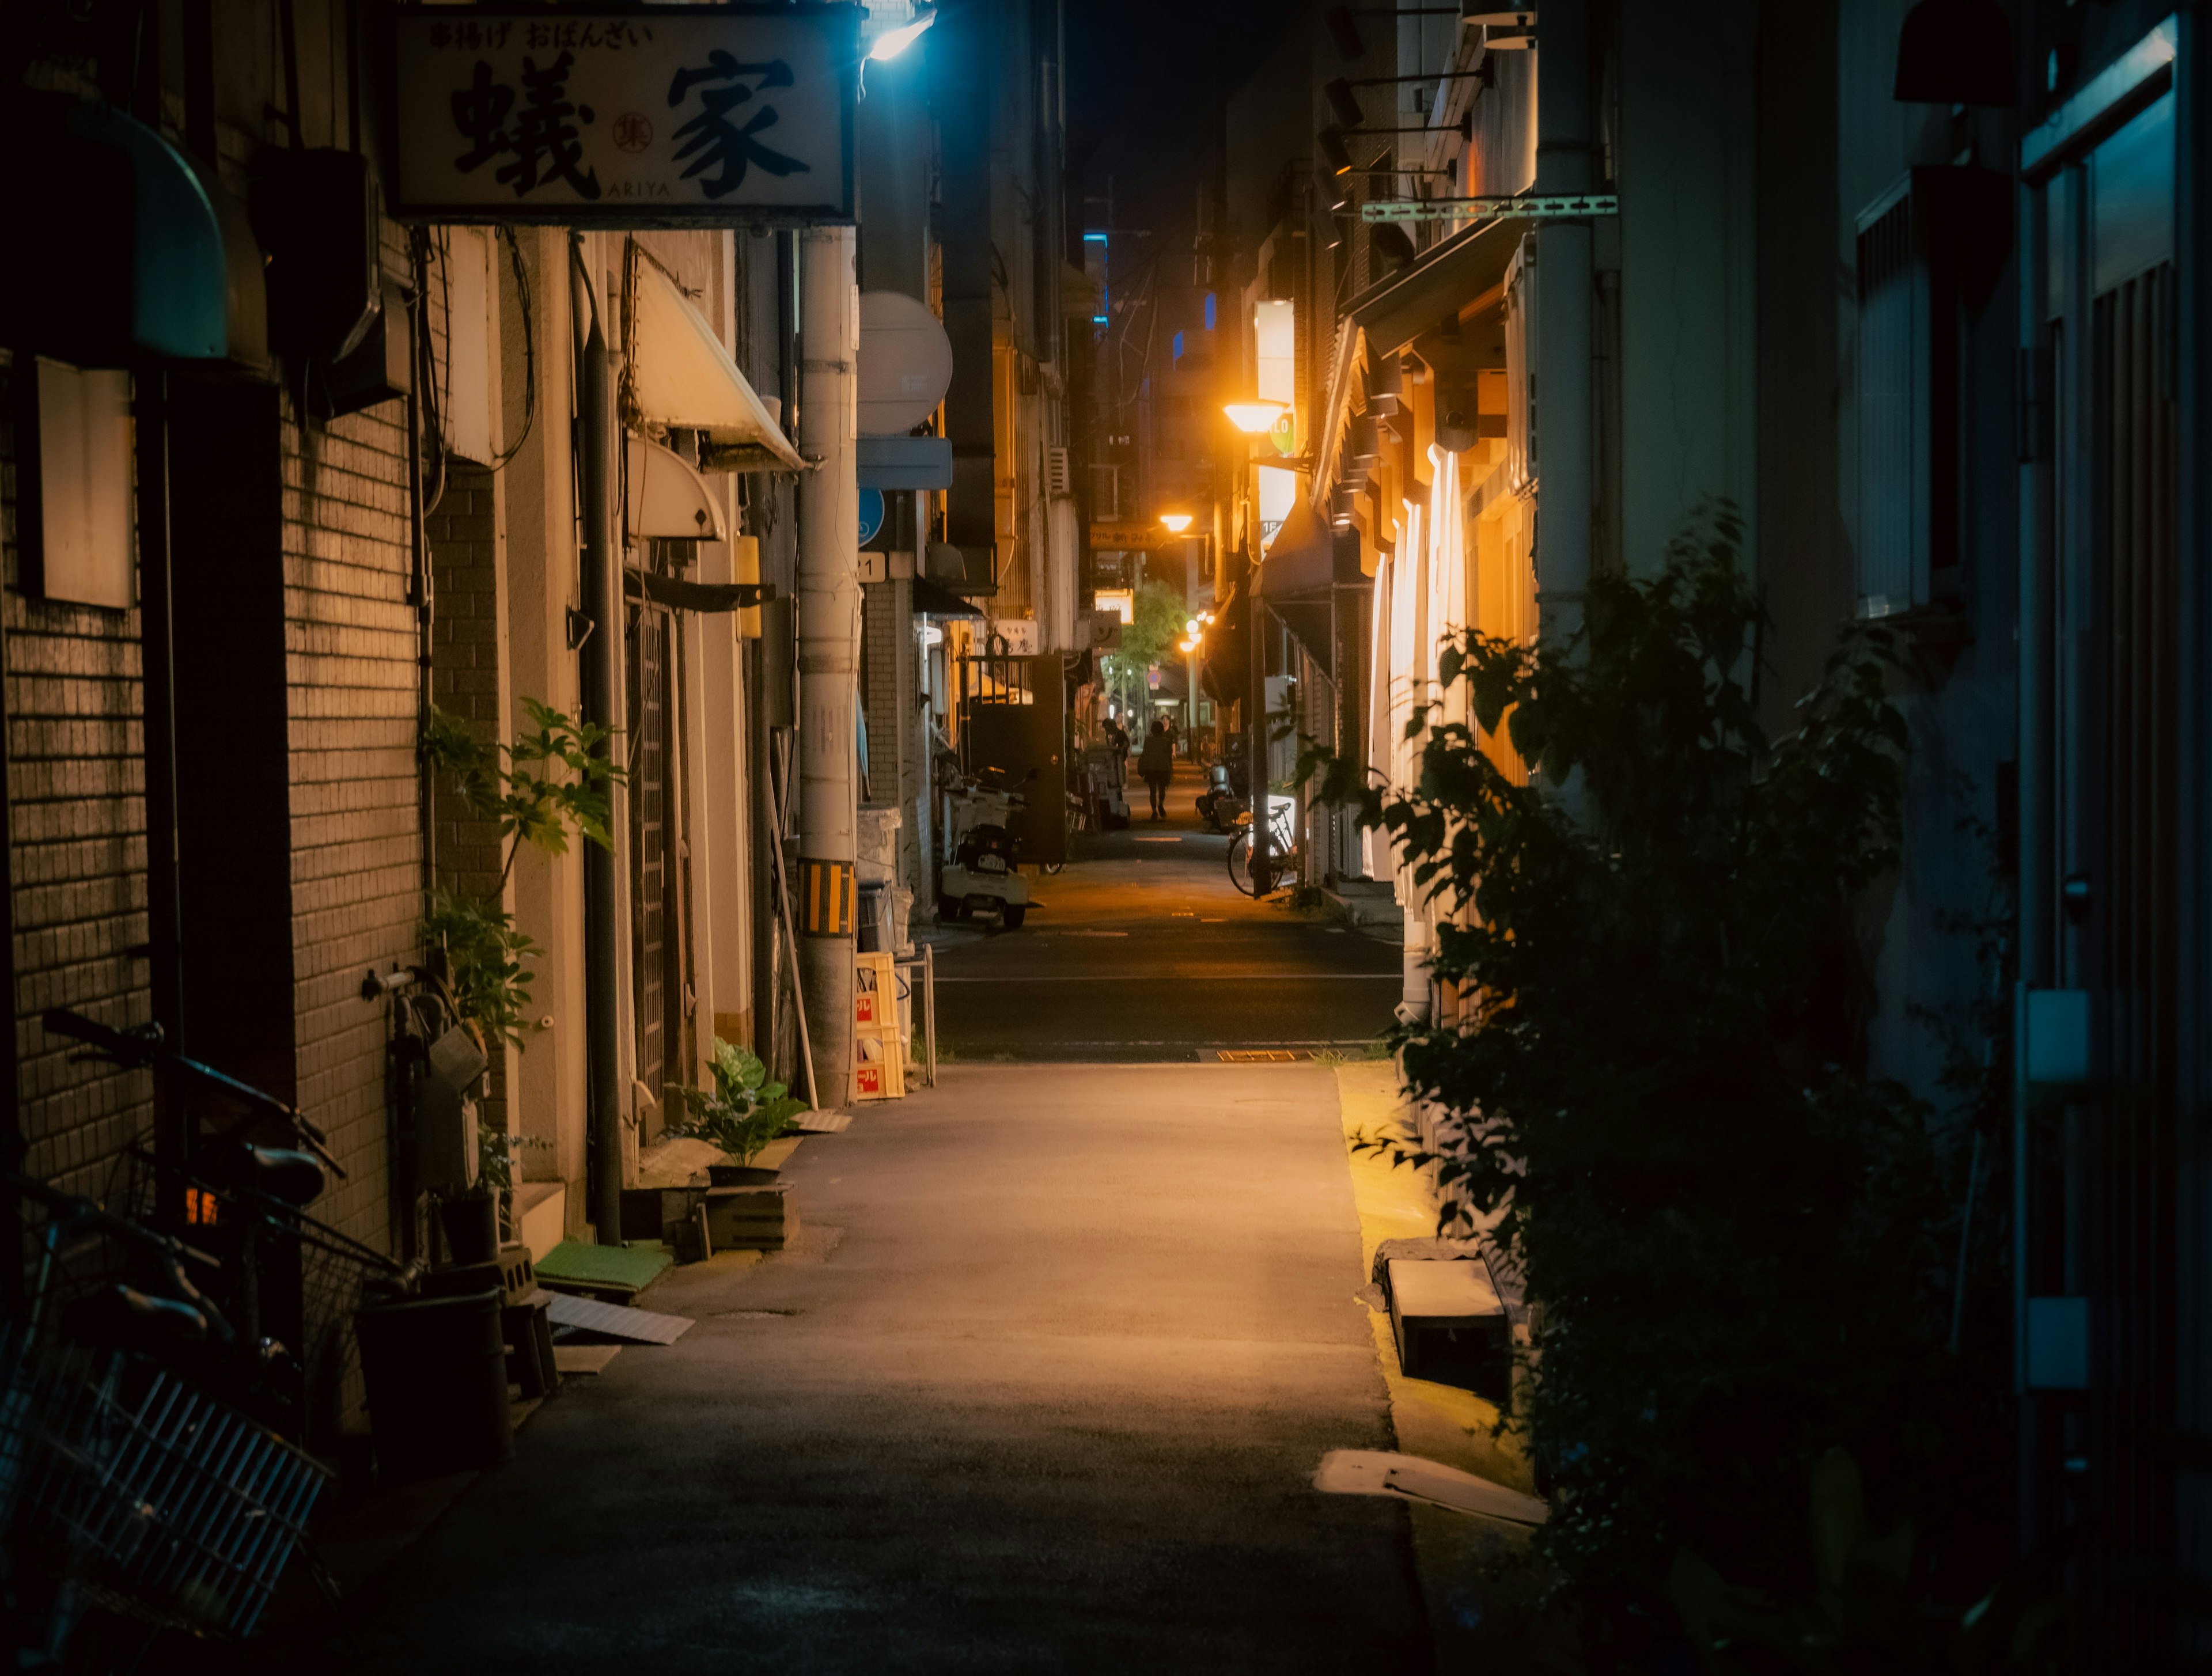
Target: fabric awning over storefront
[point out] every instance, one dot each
(681, 377)
(1303, 559)
(678, 595)
(1309, 561)
(1438, 287)
(932, 600)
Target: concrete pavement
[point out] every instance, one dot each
(1040, 1390)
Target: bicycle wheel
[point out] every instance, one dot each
(1240, 862)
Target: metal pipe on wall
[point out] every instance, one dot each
(828, 611)
(172, 1122)
(596, 702)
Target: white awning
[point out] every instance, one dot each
(682, 378)
(667, 499)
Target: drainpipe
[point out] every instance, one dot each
(1562, 360)
(828, 600)
(596, 692)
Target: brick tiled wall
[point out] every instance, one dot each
(463, 536)
(77, 848)
(352, 671)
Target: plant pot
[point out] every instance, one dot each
(740, 1175)
(470, 1224)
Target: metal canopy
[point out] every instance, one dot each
(933, 599)
(1303, 559)
(904, 462)
(681, 377)
(1443, 281)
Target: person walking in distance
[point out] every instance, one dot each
(1156, 764)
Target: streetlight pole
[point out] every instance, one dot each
(1263, 835)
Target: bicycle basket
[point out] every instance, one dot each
(123, 1477)
(284, 1272)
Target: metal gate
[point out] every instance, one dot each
(1013, 719)
(657, 921)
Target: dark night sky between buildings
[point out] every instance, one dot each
(1146, 81)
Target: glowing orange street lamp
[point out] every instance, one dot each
(1175, 522)
(1255, 418)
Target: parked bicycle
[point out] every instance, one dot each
(147, 1483)
(1284, 853)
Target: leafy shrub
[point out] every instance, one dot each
(743, 1111)
(487, 963)
(549, 780)
(1726, 1226)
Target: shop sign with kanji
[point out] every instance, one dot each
(645, 115)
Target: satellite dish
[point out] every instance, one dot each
(906, 363)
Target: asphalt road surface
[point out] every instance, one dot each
(1142, 950)
(1041, 1389)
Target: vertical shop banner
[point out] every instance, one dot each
(640, 116)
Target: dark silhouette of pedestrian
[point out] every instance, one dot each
(1156, 764)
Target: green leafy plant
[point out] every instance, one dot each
(538, 787)
(1657, 1106)
(487, 963)
(547, 782)
(743, 1112)
(496, 1150)
(1159, 615)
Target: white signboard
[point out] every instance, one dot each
(641, 116)
(1019, 633)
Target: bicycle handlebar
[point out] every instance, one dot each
(70, 1207)
(146, 1047)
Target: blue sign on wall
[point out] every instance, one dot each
(872, 514)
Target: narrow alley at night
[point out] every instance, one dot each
(944, 835)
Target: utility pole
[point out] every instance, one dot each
(829, 649)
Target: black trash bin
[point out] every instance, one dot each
(436, 1373)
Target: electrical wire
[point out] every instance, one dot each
(523, 306)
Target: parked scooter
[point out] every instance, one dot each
(982, 876)
(1223, 803)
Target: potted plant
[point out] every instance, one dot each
(740, 1115)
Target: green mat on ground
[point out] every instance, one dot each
(628, 1268)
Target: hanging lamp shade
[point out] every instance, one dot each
(667, 499)
(1955, 52)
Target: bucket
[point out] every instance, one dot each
(436, 1373)
(470, 1224)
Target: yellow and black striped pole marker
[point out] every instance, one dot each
(827, 896)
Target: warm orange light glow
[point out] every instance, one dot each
(1175, 522)
(1255, 418)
